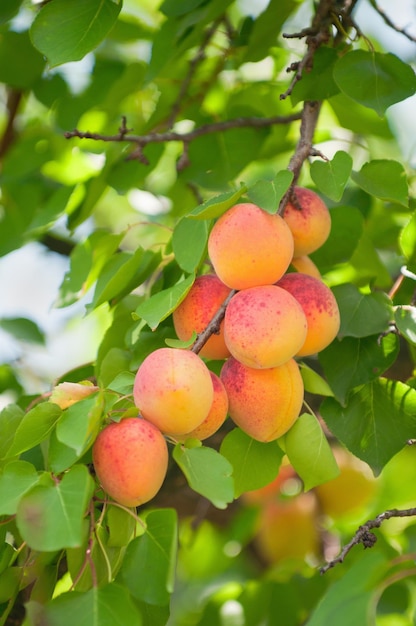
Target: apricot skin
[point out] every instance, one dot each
(264, 326)
(196, 311)
(305, 265)
(216, 416)
(264, 403)
(310, 224)
(173, 390)
(249, 247)
(320, 308)
(130, 460)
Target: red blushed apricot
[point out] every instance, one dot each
(320, 308)
(197, 310)
(216, 416)
(249, 247)
(305, 265)
(173, 390)
(264, 326)
(130, 460)
(309, 220)
(263, 403)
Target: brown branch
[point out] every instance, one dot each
(390, 23)
(365, 535)
(13, 103)
(214, 325)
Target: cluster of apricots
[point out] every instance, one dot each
(273, 317)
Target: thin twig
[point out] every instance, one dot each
(14, 100)
(365, 535)
(390, 23)
(214, 326)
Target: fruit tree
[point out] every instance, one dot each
(217, 414)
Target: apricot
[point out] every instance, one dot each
(264, 326)
(264, 403)
(309, 220)
(216, 416)
(249, 247)
(173, 390)
(130, 460)
(287, 529)
(351, 490)
(196, 311)
(320, 308)
(305, 265)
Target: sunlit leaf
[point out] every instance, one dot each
(159, 306)
(332, 176)
(16, 478)
(34, 427)
(189, 243)
(385, 179)
(267, 194)
(405, 319)
(362, 314)
(216, 206)
(313, 382)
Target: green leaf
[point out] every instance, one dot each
(331, 177)
(34, 427)
(23, 329)
(159, 306)
(266, 27)
(20, 64)
(121, 527)
(407, 242)
(309, 452)
(254, 464)
(189, 243)
(313, 382)
(10, 419)
(172, 8)
(110, 605)
(373, 79)
(215, 207)
(51, 517)
(356, 361)
(148, 569)
(123, 383)
(267, 194)
(350, 599)
(123, 273)
(317, 83)
(346, 228)
(384, 178)
(376, 422)
(15, 479)
(207, 472)
(8, 9)
(405, 320)
(66, 31)
(80, 423)
(362, 314)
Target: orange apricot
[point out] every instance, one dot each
(264, 326)
(309, 220)
(196, 311)
(320, 308)
(130, 460)
(305, 265)
(173, 390)
(264, 403)
(216, 416)
(250, 247)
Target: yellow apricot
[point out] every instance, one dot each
(216, 416)
(249, 247)
(196, 311)
(320, 308)
(264, 326)
(305, 265)
(309, 220)
(264, 403)
(173, 390)
(130, 460)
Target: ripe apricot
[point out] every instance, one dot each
(305, 265)
(249, 247)
(320, 308)
(173, 390)
(130, 459)
(264, 403)
(264, 326)
(196, 311)
(216, 416)
(309, 220)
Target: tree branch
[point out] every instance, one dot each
(13, 103)
(365, 535)
(214, 326)
(389, 22)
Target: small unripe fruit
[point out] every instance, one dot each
(250, 247)
(264, 403)
(216, 416)
(309, 221)
(130, 460)
(320, 308)
(197, 310)
(264, 326)
(173, 390)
